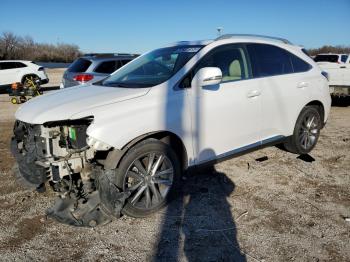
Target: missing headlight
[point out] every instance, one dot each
(77, 136)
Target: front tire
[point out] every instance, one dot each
(306, 131)
(150, 171)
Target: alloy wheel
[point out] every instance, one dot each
(308, 132)
(149, 179)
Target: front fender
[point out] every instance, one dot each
(118, 124)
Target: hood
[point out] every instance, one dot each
(63, 104)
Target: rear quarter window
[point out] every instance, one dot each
(79, 66)
(305, 52)
(299, 65)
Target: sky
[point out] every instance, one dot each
(138, 26)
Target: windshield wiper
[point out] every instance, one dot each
(116, 84)
(126, 85)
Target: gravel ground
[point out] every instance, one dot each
(268, 205)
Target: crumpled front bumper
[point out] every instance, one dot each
(82, 201)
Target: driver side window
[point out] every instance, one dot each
(231, 59)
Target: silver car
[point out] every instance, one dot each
(93, 67)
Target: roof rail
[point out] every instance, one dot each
(109, 54)
(228, 36)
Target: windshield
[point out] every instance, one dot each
(152, 68)
(327, 58)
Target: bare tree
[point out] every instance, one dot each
(9, 45)
(15, 47)
(330, 49)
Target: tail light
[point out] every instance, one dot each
(15, 86)
(83, 77)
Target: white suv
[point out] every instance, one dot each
(120, 145)
(337, 67)
(18, 71)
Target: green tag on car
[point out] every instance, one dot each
(72, 133)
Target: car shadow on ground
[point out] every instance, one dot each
(198, 224)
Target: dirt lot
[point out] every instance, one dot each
(55, 76)
(268, 205)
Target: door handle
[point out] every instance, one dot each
(302, 84)
(343, 67)
(253, 93)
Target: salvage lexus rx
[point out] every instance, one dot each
(119, 146)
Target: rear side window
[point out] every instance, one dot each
(7, 65)
(327, 58)
(107, 67)
(79, 66)
(344, 58)
(268, 60)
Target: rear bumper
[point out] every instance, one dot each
(44, 81)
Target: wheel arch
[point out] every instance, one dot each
(26, 75)
(115, 156)
(320, 107)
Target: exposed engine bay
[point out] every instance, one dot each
(61, 155)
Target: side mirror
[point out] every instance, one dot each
(207, 76)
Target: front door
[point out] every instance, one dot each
(226, 117)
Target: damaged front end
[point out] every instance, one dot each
(60, 154)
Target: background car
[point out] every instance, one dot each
(332, 58)
(93, 67)
(337, 67)
(20, 71)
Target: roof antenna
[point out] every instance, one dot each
(219, 29)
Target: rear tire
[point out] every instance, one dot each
(152, 185)
(29, 81)
(306, 131)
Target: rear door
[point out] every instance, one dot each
(9, 73)
(284, 88)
